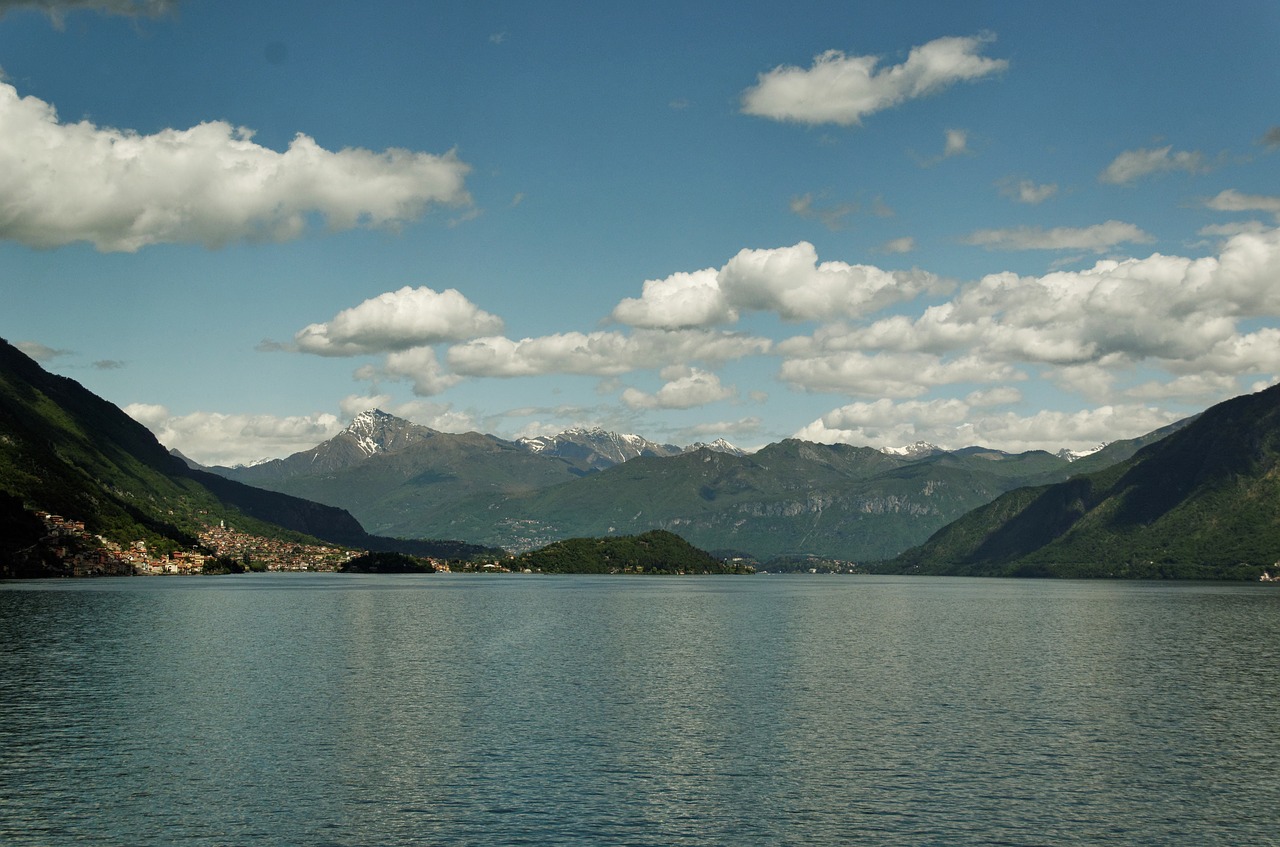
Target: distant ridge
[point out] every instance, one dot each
(1202, 502)
(596, 448)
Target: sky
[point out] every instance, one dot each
(1016, 225)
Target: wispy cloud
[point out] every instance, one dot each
(58, 9)
(40, 352)
(1098, 237)
(843, 89)
(1027, 191)
(1133, 165)
(1231, 200)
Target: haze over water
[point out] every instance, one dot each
(352, 710)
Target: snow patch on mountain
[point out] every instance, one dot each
(919, 450)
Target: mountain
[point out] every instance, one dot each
(399, 478)
(392, 474)
(65, 451)
(596, 448)
(790, 498)
(1202, 502)
(919, 450)
(717, 446)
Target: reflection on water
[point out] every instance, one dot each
(351, 710)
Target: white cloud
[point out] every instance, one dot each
(721, 429)
(40, 352)
(1027, 191)
(421, 367)
(1099, 237)
(695, 388)
(952, 424)
(354, 404)
(680, 300)
(1176, 313)
(1236, 228)
(899, 245)
(219, 439)
(957, 143)
(1132, 165)
(1001, 395)
(1193, 388)
(398, 320)
(788, 281)
(889, 374)
(1231, 200)
(598, 353)
(57, 9)
(210, 184)
(832, 216)
(842, 89)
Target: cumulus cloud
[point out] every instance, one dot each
(695, 388)
(422, 368)
(842, 89)
(598, 353)
(62, 183)
(680, 300)
(397, 321)
(1133, 165)
(1099, 237)
(1271, 138)
(788, 281)
(1178, 313)
(220, 439)
(954, 423)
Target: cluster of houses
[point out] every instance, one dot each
(274, 554)
(85, 554)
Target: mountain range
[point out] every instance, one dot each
(792, 498)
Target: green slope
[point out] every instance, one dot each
(654, 552)
(1202, 503)
(66, 451)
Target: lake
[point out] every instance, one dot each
(333, 709)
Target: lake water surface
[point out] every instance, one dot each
(448, 709)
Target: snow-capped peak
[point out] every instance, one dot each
(369, 429)
(913, 451)
(1072, 455)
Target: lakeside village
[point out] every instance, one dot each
(86, 554)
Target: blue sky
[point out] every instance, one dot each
(1022, 225)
